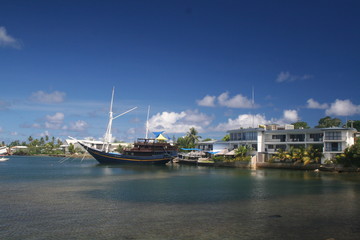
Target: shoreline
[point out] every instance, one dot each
(337, 168)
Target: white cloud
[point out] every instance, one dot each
(173, 122)
(44, 134)
(291, 116)
(207, 101)
(78, 126)
(131, 131)
(343, 108)
(316, 105)
(237, 101)
(56, 118)
(8, 41)
(35, 125)
(287, 77)
(43, 97)
(55, 121)
(242, 121)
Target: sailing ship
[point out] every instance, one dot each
(144, 150)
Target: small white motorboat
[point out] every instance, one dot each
(3, 159)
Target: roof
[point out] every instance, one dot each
(246, 130)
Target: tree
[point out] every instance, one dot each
(241, 153)
(207, 140)
(120, 149)
(59, 142)
(30, 139)
(327, 122)
(301, 125)
(312, 154)
(351, 155)
(191, 137)
(226, 138)
(181, 142)
(353, 123)
(71, 148)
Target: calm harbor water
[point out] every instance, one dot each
(45, 198)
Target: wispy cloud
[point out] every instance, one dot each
(224, 100)
(287, 77)
(4, 105)
(43, 97)
(78, 126)
(207, 101)
(8, 41)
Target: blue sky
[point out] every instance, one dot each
(195, 63)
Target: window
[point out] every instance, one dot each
(280, 137)
(232, 136)
(243, 136)
(297, 137)
(332, 135)
(317, 137)
(282, 147)
(250, 136)
(333, 147)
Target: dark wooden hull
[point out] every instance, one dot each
(114, 158)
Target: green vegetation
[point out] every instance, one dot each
(299, 125)
(39, 146)
(353, 123)
(189, 140)
(226, 138)
(312, 154)
(242, 153)
(328, 122)
(351, 156)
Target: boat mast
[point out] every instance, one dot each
(108, 135)
(147, 123)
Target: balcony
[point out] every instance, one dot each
(337, 139)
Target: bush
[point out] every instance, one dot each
(351, 156)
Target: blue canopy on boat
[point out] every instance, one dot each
(191, 149)
(157, 134)
(214, 152)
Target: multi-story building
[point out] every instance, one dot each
(266, 140)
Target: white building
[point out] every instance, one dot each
(268, 139)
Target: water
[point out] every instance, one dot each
(42, 198)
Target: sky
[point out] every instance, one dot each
(213, 65)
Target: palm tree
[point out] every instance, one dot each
(282, 155)
(241, 153)
(313, 154)
(297, 154)
(192, 137)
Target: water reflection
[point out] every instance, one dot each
(43, 199)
